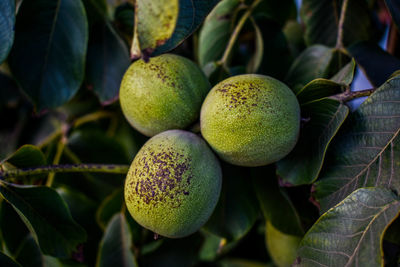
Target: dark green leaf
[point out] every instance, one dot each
(304, 163)
(47, 217)
(215, 72)
(7, 261)
(211, 247)
(237, 209)
(367, 150)
(27, 156)
(257, 57)
(376, 63)
(13, 230)
(321, 18)
(346, 75)
(394, 8)
(107, 58)
(49, 51)
(294, 34)
(317, 89)
(275, 202)
(216, 31)
(115, 247)
(7, 21)
(351, 233)
(111, 205)
(80, 205)
(392, 233)
(278, 11)
(175, 252)
(164, 25)
(29, 255)
(276, 58)
(231, 262)
(311, 64)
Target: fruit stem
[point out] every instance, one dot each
(88, 167)
(339, 40)
(235, 33)
(350, 95)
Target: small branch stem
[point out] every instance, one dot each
(56, 160)
(89, 167)
(236, 31)
(339, 40)
(93, 117)
(350, 95)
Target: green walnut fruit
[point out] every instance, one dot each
(173, 184)
(250, 120)
(281, 247)
(164, 93)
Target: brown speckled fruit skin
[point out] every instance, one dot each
(173, 184)
(162, 94)
(250, 120)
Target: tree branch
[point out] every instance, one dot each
(339, 40)
(350, 95)
(89, 167)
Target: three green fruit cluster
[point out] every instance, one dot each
(174, 182)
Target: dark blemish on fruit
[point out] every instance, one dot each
(163, 176)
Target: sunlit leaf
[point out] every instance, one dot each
(216, 31)
(367, 151)
(351, 233)
(163, 25)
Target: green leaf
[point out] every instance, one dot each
(321, 19)
(7, 261)
(13, 230)
(376, 63)
(216, 31)
(351, 233)
(303, 164)
(49, 51)
(47, 217)
(216, 72)
(27, 156)
(237, 209)
(7, 21)
(111, 205)
(278, 11)
(317, 89)
(394, 8)
(275, 202)
(276, 57)
(346, 75)
(115, 247)
(107, 58)
(256, 59)
(366, 152)
(312, 63)
(164, 25)
(232, 262)
(29, 254)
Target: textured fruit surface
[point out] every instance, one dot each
(281, 247)
(164, 93)
(250, 120)
(173, 184)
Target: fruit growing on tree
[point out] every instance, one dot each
(250, 120)
(162, 94)
(173, 184)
